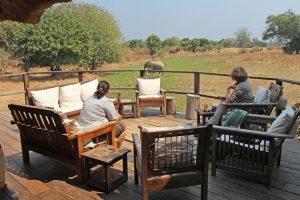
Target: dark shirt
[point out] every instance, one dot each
(242, 93)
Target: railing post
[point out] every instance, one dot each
(196, 82)
(142, 73)
(26, 85)
(278, 82)
(80, 76)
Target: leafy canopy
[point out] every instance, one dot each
(153, 43)
(284, 28)
(69, 34)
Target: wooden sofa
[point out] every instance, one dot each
(71, 114)
(43, 130)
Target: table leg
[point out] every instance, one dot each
(108, 178)
(125, 168)
(198, 119)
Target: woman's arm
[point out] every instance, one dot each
(229, 93)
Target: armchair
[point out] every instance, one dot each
(171, 157)
(261, 108)
(247, 152)
(149, 94)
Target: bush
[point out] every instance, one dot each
(256, 49)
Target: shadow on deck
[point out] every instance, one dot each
(46, 178)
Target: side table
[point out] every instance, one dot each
(205, 115)
(106, 156)
(126, 102)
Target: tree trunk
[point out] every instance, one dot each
(192, 103)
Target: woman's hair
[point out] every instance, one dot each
(102, 89)
(239, 74)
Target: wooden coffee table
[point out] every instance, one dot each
(127, 102)
(106, 156)
(205, 115)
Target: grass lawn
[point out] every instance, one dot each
(170, 81)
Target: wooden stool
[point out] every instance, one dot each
(205, 115)
(105, 155)
(126, 102)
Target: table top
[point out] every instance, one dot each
(205, 112)
(106, 154)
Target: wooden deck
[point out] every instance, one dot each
(46, 178)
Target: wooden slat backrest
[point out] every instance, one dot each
(275, 93)
(42, 127)
(169, 157)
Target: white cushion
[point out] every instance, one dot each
(149, 86)
(281, 124)
(88, 89)
(150, 96)
(46, 98)
(262, 95)
(69, 97)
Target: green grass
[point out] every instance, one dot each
(170, 81)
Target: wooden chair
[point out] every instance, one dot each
(149, 94)
(171, 157)
(260, 108)
(43, 130)
(250, 153)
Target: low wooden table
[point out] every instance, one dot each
(126, 102)
(205, 115)
(106, 156)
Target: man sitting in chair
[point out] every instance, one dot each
(98, 109)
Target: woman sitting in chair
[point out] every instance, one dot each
(98, 109)
(239, 91)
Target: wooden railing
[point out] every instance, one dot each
(196, 84)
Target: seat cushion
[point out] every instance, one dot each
(70, 97)
(46, 98)
(150, 96)
(262, 95)
(88, 89)
(149, 86)
(283, 122)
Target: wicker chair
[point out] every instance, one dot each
(250, 153)
(172, 157)
(149, 94)
(42, 130)
(261, 108)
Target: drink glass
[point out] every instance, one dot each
(118, 145)
(205, 107)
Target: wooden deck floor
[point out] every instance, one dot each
(46, 178)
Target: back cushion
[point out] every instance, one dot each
(69, 97)
(149, 86)
(282, 123)
(46, 98)
(262, 95)
(88, 89)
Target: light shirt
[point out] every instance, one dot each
(96, 111)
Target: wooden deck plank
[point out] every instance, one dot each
(58, 179)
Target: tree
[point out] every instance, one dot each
(284, 28)
(4, 56)
(153, 43)
(229, 42)
(171, 42)
(195, 44)
(134, 44)
(243, 38)
(257, 42)
(67, 35)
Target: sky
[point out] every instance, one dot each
(211, 19)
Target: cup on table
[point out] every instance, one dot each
(205, 107)
(118, 145)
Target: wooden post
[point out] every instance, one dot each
(196, 82)
(2, 168)
(192, 103)
(142, 73)
(278, 112)
(26, 85)
(171, 107)
(80, 76)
